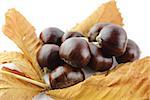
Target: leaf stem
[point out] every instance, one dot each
(43, 85)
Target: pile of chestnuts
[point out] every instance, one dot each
(68, 55)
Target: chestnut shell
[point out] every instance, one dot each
(98, 61)
(71, 34)
(95, 31)
(51, 35)
(113, 40)
(65, 76)
(132, 53)
(75, 51)
(48, 56)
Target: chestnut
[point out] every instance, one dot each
(132, 53)
(65, 76)
(95, 30)
(51, 35)
(98, 61)
(71, 34)
(48, 56)
(75, 51)
(113, 40)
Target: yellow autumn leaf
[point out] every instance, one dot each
(19, 30)
(12, 88)
(21, 62)
(128, 81)
(108, 12)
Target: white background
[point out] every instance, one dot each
(66, 13)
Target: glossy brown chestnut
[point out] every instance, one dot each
(132, 53)
(113, 40)
(71, 34)
(98, 62)
(51, 35)
(65, 76)
(48, 56)
(95, 30)
(75, 51)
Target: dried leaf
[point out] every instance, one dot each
(21, 62)
(14, 89)
(129, 81)
(108, 12)
(18, 29)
